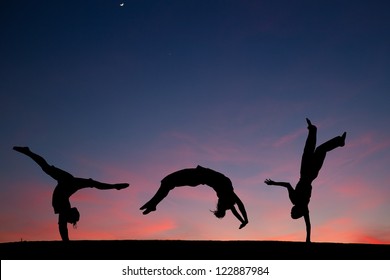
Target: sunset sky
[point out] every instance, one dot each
(132, 93)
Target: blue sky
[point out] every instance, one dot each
(133, 93)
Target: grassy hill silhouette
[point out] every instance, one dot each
(190, 250)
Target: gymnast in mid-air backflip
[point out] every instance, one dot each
(312, 160)
(227, 198)
(67, 185)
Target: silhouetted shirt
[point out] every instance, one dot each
(200, 176)
(302, 193)
(66, 186)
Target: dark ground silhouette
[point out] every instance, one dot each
(190, 250)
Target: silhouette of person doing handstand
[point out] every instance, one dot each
(227, 198)
(66, 186)
(311, 163)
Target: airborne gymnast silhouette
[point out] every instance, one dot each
(227, 198)
(67, 185)
(312, 160)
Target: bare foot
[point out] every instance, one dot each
(310, 125)
(121, 186)
(148, 208)
(21, 149)
(343, 139)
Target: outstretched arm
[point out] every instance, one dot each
(282, 184)
(241, 208)
(238, 216)
(63, 227)
(291, 191)
(308, 227)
